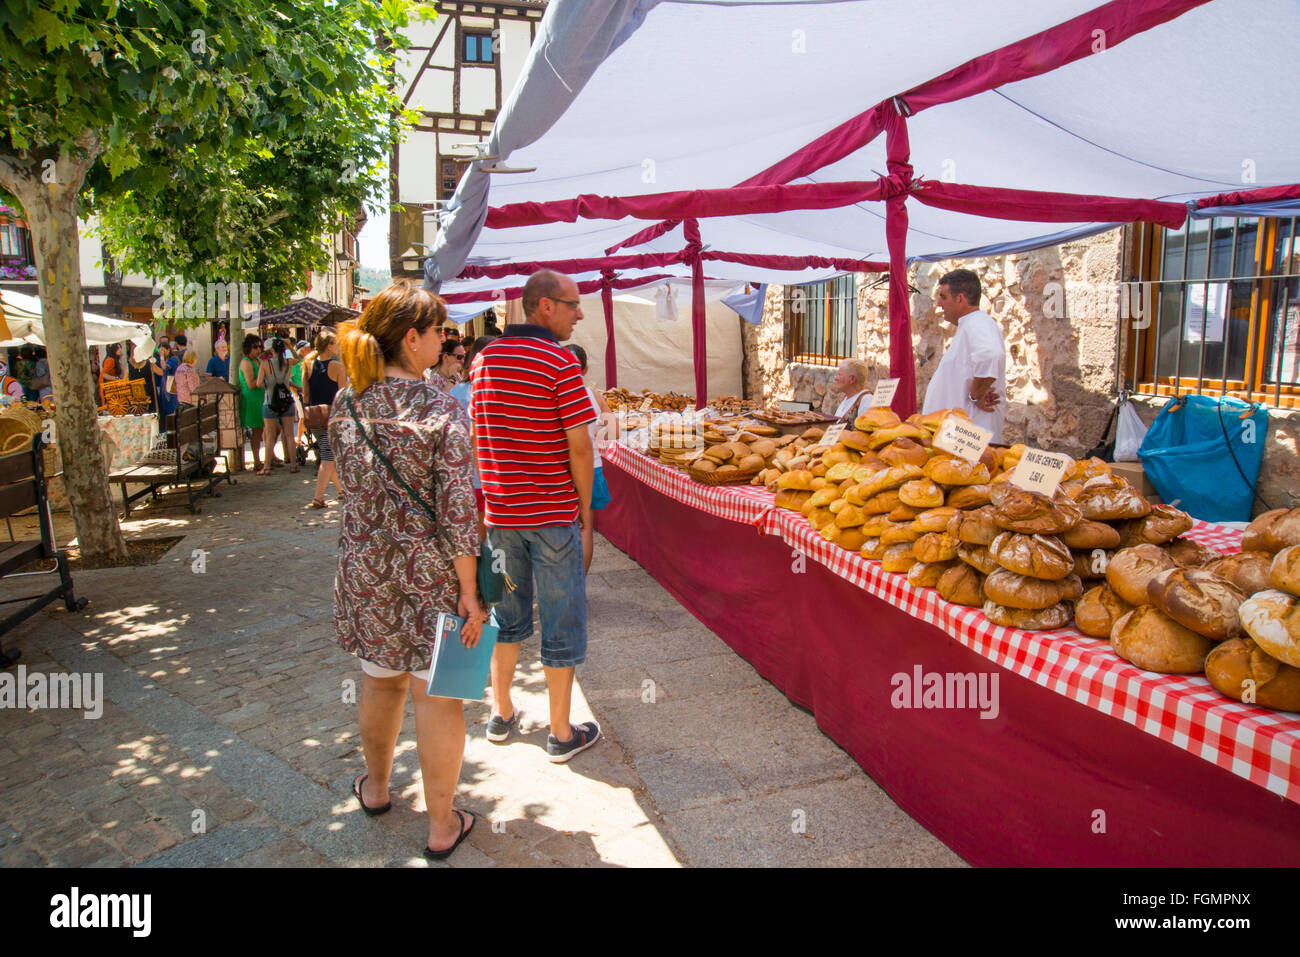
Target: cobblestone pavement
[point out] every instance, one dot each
(226, 740)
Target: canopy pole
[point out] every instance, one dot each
(902, 361)
(699, 341)
(607, 277)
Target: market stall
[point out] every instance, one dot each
(1071, 756)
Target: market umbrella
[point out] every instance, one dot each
(22, 317)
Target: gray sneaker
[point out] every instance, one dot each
(498, 728)
(584, 736)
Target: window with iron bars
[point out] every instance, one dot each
(1215, 309)
(821, 321)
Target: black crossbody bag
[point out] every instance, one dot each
(492, 584)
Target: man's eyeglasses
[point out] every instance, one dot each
(571, 303)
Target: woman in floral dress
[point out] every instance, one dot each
(397, 568)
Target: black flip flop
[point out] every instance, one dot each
(433, 855)
(356, 791)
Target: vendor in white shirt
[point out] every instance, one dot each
(972, 374)
(850, 381)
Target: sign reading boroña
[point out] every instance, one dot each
(962, 438)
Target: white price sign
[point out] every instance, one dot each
(832, 434)
(884, 393)
(963, 438)
(645, 406)
(1039, 471)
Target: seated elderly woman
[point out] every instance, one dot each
(850, 381)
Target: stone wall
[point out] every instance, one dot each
(1060, 339)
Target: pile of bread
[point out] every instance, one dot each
(774, 413)
(668, 402)
(1232, 617)
(738, 446)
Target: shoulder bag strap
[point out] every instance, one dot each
(428, 509)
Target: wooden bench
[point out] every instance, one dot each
(22, 486)
(186, 428)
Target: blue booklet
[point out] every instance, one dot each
(457, 671)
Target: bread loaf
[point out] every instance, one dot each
(882, 437)
(1132, 568)
(975, 527)
(792, 498)
(961, 585)
(904, 452)
(1088, 535)
(1272, 531)
(1163, 524)
(1020, 591)
(1054, 616)
(851, 539)
(978, 557)
(1105, 499)
(920, 493)
(903, 513)
(882, 503)
(898, 558)
(949, 470)
(1191, 554)
(849, 516)
(1285, 570)
(890, 478)
(1092, 563)
(967, 496)
(1017, 510)
(1199, 600)
(1097, 610)
(927, 574)
(1038, 556)
(1249, 571)
(1272, 618)
(1153, 641)
(934, 519)
(874, 419)
(1241, 670)
(899, 532)
(799, 479)
(934, 547)
(873, 549)
(853, 439)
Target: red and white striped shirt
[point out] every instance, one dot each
(526, 392)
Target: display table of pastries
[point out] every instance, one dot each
(1136, 602)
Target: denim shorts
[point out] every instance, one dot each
(546, 562)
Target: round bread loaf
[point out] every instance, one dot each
(882, 437)
(1285, 570)
(853, 439)
(1241, 670)
(1097, 610)
(1131, 568)
(1020, 591)
(851, 539)
(975, 527)
(1272, 531)
(967, 496)
(899, 532)
(961, 585)
(1249, 571)
(1153, 641)
(890, 478)
(1199, 600)
(978, 557)
(1038, 556)
(1092, 563)
(849, 516)
(927, 574)
(950, 470)
(799, 479)
(935, 547)
(934, 519)
(904, 452)
(1089, 535)
(920, 493)
(875, 525)
(1054, 616)
(1191, 554)
(873, 549)
(882, 503)
(874, 419)
(819, 518)
(903, 513)
(1017, 510)
(1164, 524)
(1272, 618)
(898, 558)
(1104, 499)
(792, 498)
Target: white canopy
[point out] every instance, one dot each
(631, 97)
(23, 316)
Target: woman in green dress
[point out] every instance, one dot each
(252, 395)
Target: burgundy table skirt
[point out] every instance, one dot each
(1048, 782)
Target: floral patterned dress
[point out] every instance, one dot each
(395, 571)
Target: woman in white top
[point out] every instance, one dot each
(599, 488)
(851, 382)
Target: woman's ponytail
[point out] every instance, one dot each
(362, 356)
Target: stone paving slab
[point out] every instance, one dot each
(228, 738)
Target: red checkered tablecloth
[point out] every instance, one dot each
(1254, 743)
(738, 503)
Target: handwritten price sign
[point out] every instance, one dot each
(962, 438)
(831, 435)
(1039, 471)
(884, 393)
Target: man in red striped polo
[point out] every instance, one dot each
(530, 411)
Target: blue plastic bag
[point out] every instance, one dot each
(1203, 455)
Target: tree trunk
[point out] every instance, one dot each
(51, 210)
